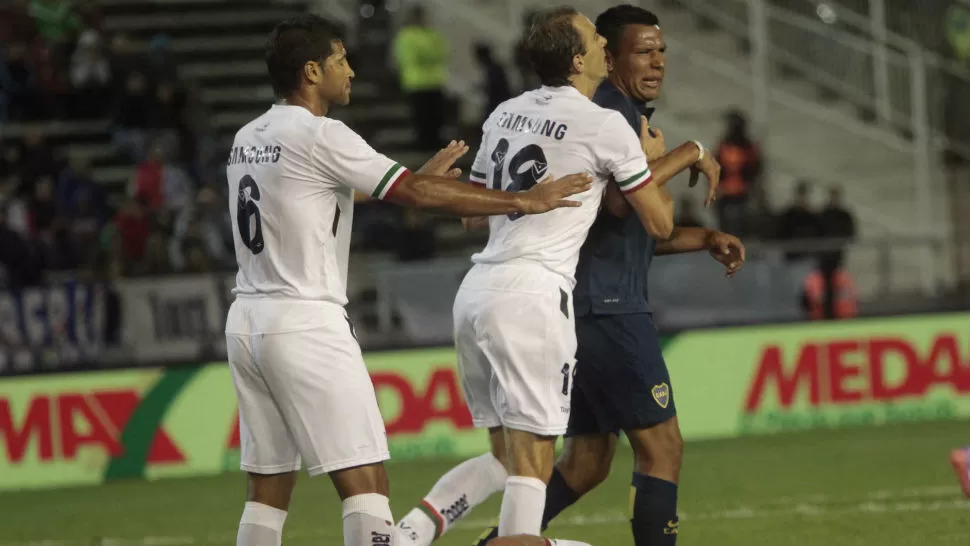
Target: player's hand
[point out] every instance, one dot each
(442, 163)
(549, 194)
(651, 140)
(711, 169)
(726, 249)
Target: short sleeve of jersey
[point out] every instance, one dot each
(619, 148)
(479, 172)
(349, 160)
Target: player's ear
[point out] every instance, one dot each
(610, 61)
(313, 71)
(578, 64)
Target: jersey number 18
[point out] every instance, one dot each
(518, 181)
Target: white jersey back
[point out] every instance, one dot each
(553, 131)
(292, 177)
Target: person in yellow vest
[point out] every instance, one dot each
(844, 302)
(421, 53)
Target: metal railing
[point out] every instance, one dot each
(688, 290)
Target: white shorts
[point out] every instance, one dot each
(304, 394)
(516, 341)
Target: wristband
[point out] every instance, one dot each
(700, 148)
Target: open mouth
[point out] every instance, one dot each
(652, 83)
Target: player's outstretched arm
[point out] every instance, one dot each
(725, 248)
(450, 196)
(428, 189)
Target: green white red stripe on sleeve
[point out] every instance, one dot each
(636, 181)
(393, 175)
(476, 177)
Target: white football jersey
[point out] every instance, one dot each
(553, 131)
(292, 177)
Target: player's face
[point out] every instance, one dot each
(594, 62)
(641, 61)
(334, 85)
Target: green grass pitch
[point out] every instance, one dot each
(888, 486)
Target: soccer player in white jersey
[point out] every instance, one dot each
(514, 327)
(304, 392)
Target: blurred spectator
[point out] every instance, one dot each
(146, 183)
(42, 208)
(740, 162)
(123, 60)
(76, 185)
(11, 160)
(56, 20)
(90, 74)
(133, 226)
(422, 58)
(16, 217)
(38, 160)
(838, 225)
(496, 83)
(17, 89)
(22, 265)
(207, 224)
(132, 117)
(798, 222)
(49, 67)
(687, 214)
(154, 260)
(527, 76)
(85, 223)
(160, 62)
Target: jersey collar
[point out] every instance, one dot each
(642, 107)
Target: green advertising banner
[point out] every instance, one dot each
(85, 428)
(769, 379)
(75, 429)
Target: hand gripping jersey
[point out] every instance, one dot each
(292, 177)
(553, 131)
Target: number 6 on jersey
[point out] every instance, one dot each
(247, 218)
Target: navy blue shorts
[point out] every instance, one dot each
(621, 380)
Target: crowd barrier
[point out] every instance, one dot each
(87, 428)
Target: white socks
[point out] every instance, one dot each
(522, 506)
(260, 525)
(368, 521)
(452, 498)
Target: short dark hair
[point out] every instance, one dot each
(552, 43)
(295, 42)
(611, 23)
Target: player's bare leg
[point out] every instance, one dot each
(457, 493)
(584, 464)
(529, 462)
(367, 518)
(659, 452)
(267, 502)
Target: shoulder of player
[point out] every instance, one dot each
(509, 105)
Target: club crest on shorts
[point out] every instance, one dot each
(661, 394)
